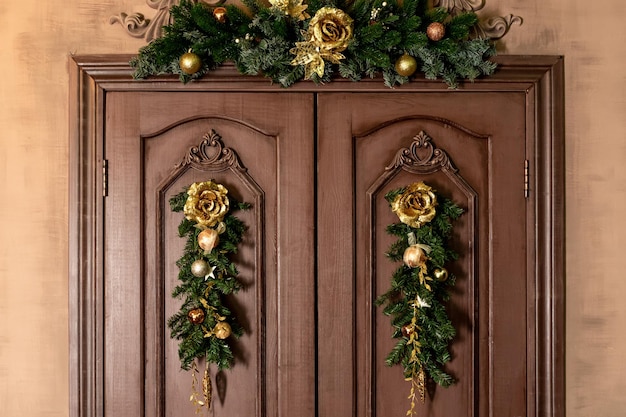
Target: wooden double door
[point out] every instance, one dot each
(315, 164)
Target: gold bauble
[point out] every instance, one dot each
(199, 268)
(190, 63)
(441, 274)
(222, 330)
(435, 31)
(208, 239)
(196, 316)
(220, 14)
(406, 65)
(414, 256)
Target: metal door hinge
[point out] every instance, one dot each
(526, 178)
(105, 178)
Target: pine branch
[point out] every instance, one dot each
(259, 40)
(415, 300)
(196, 340)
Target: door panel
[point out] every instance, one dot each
(371, 144)
(157, 144)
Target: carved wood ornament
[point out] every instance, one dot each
(138, 26)
(211, 152)
(421, 156)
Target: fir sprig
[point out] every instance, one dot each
(208, 293)
(259, 40)
(436, 331)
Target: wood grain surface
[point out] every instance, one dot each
(36, 38)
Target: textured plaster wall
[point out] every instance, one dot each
(36, 38)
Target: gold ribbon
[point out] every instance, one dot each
(207, 390)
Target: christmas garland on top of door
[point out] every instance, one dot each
(293, 40)
(206, 275)
(420, 286)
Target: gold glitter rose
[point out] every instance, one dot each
(416, 205)
(330, 29)
(207, 203)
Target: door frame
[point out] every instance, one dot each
(93, 76)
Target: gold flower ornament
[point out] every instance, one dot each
(207, 203)
(416, 205)
(330, 29)
(329, 33)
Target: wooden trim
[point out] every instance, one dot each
(112, 72)
(84, 229)
(550, 215)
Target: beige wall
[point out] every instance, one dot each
(36, 38)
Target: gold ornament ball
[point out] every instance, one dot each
(222, 330)
(208, 239)
(190, 63)
(414, 256)
(435, 31)
(199, 268)
(220, 14)
(408, 330)
(406, 65)
(196, 316)
(441, 274)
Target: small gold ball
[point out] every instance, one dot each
(220, 14)
(199, 268)
(441, 274)
(222, 330)
(196, 316)
(208, 239)
(406, 65)
(190, 63)
(435, 31)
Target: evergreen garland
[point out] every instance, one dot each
(263, 39)
(419, 289)
(206, 293)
